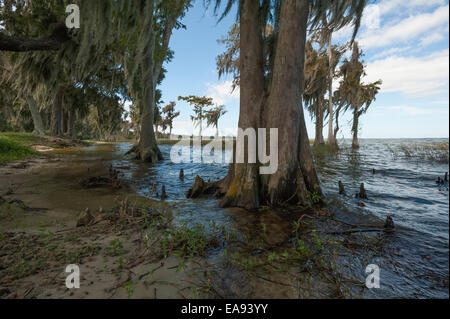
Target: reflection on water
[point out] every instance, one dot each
(402, 188)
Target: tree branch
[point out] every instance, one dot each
(52, 43)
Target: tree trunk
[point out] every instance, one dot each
(296, 175)
(319, 140)
(147, 149)
(56, 125)
(336, 129)
(217, 130)
(244, 189)
(63, 121)
(70, 124)
(281, 108)
(355, 143)
(331, 137)
(36, 115)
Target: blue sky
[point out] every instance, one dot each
(405, 44)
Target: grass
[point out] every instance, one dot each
(24, 139)
(426, 151)
(15, 147)
(324, 150)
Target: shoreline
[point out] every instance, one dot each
(289, 252)
(261, 255)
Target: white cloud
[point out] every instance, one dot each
(411, 110)
(391, 6)
(222, 92)
(432, 38)
(412, 76)
(389, 52)
(405, 30)
(373, 15)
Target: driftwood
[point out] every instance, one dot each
(201, 187)
(389, 226)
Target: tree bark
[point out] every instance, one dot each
(296, 175)
(244, 189)
(147, 149)
(36, 115)
(319, 140)
(280, 108)
(63, 120)
(56, 125)
(70, 124)
(331, 136)
(336, 128)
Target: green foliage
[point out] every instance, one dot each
(352, 92)
(115, 248)
(191, 242)
(12, 151)
(199, 104)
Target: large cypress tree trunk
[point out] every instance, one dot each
(147, 149)
(280, 108)
(244, 188)
(296, 175)
(56, 125)
(36, 115)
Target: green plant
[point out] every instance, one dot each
(129, 288)
(115, 248)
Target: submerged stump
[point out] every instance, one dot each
(389, 225)
(341, 188)
(201, 188)
(362, 192)
(181, 174)
(163, 193)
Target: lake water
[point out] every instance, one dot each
(401, 187)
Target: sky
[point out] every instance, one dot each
(405, 43)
